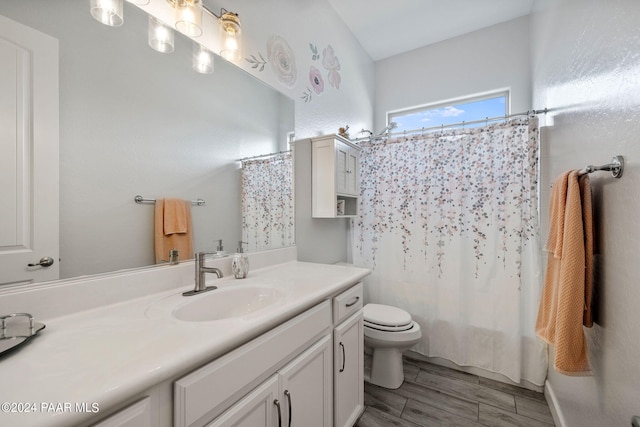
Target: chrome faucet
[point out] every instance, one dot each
(200, 271)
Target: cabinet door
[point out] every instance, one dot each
(342, 168)
(352, 172)
(257, 409)
(306, 387)
(136, 415)
(348, 348)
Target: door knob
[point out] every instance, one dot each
(46, 261)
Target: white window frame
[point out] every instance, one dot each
(451, 102)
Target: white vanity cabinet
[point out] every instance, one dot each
(348, 357)
(334, 177)
(298, 352)
(307, 372)
(299, 394)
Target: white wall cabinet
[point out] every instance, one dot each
(334, 177)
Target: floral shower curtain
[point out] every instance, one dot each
(267, 202)
(448, 223)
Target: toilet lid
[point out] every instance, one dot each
(386, 318)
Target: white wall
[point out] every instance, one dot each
(494, 58)
(302, 23)
(586, 67)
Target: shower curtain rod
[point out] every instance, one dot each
(463, 123)
(264, 155)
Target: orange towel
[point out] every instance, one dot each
(173, 229)
(565, 305)
(175, 217)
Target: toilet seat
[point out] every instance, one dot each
(386, 318)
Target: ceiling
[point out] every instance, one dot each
(388, 27)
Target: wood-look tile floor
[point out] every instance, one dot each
(432, 395)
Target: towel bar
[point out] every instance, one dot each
(139, 199)
(616, 167)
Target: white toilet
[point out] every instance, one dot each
(388, 331)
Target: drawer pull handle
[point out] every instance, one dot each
(286, 393)
(344, 357)
(353, 301)
(275, 402)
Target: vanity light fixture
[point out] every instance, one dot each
(160, 36)
(108, 12)
(188, 21)
(202, 59)
(230, 36)
(188, 17)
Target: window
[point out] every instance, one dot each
(451, 112)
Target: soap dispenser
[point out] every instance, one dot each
(220, 250)
(240, 263)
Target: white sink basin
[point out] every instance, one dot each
(226, 303)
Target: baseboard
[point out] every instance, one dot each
(554, 405)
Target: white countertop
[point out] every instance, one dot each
(108, 354)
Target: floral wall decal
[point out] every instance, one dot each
(282, 60)
(257, 63)
(314, 50)
(331, 63)
(317, 83)
(307, 95)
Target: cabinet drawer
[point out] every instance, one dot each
(347, 303)
(206, 392)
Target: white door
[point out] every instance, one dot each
(306, 387)
(28, 153)
(348, 367)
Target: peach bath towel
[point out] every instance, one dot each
(565, 305)
(173, 229)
